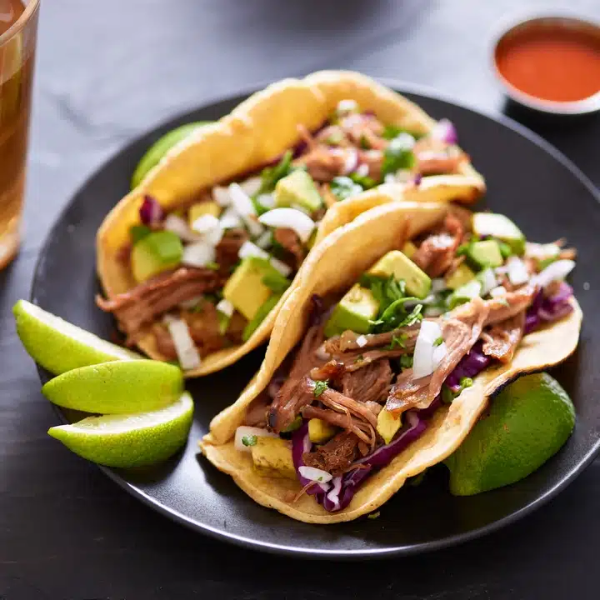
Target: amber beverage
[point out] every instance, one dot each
(18, 27)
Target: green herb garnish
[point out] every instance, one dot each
(406, 361)
(393, 131)
(364, 181)
(438, 342)
(249, 440)
(320, 387)
(398, 155)
(398, 341)
(212, 265)
(271, 175)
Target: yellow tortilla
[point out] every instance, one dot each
(256, 132)
(335, 265)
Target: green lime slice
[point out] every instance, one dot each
(118, 387)
(155, 153)
(130, 440)
(59, 346)
(528, 422)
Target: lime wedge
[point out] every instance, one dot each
(528, 422)
(130, 440)
(118, 387)
(59, 346)
(154, 154)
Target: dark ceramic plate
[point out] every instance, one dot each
(529, 181)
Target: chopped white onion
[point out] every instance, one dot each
(389, 178)
(363, 170)
(210, 229)
(437, 285)
(249, 432)
(249, 249)
(266, 200)
(230, 219)
(439, 353)
(541, 251)
(198, 254)
(315, 474)
(346, 107)
(221, 196)
(497, 292)
(264, 241)
(291, 218)
(251, 185)
(186, 350)
(555, 271)
(361, 341)
(488, 281)
(517, 271)
(225, 307)
(180, 227)
(350, 159)
(404, 175)
(284, 269)
(423, 357)
(242, 204)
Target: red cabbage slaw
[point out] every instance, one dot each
(337, 494)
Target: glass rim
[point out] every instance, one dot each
(18, 25)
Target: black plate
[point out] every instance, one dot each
(529, 181)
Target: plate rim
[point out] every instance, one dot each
(401, 87)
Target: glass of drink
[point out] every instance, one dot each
(18, 27)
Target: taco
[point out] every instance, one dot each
(385, 353)
(195, 260)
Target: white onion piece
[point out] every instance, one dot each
(497, 292)
(249, 249)
(198, 254)
(225, 307)
(205, 223)
(404, 175)
(517, 271)
(362, 170)
(488, 281)
(423, 357)
(315, 474)
(334, 494)
(284, 269)
(321, 353)
(186, 350)
(439, 353)
(244, 431)
(291, 218)
(350, 160)
(242, 204)
(346, 107)
(251, 185)
(555, 271)
(264, 241)
(221, 196)
(541, 251)
(266, 200)
(390, 178)
(361, 341)
(180, 227)
(437, 285)
(230, 219)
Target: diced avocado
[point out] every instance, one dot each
(485, 254)
(388, 425)
(320, 431)
(245, 288)
(157, 252)
(353, 312)
(461, 275)
(298, 188)
(409, 249)
(500, 227)
(260, 316)
(203, 208)
(396, 263)
(465, 293)
(272, 457)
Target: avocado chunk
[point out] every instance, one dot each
(157, 252)
(409, 249)
(203, 208)
(245, 288)
(388, 425)
(272, 457)
(260, 316)
(465, 293)
(353, 312)
(500, 227)
(320, 431)
(485, 254)
(396, 263)
(462, 274)
(298, 189)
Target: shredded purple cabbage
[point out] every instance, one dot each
(417, 179)
(549, 309)
(470, 365)
(151, 212)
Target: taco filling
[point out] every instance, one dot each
(210, 272)
(376, 363)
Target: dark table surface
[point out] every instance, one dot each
(106, 71)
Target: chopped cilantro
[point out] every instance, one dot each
(398, 155)
(276, 283)
(393, 131)
(295, 424)
(212, 265)
(364, 181)
(439, 341)
(249, 440)
(139, 232)
(406, 361)
(320, 387)
(271, 175)
(344, 187)
(398, 341)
